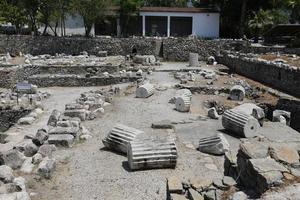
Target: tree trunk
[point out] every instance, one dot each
(243, 18)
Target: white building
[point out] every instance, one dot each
(180, 21)
(156, 21)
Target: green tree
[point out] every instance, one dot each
(128, 9)
(294, 5)
(90, 11)
(47, 10)
(31, 8)
(12, 11)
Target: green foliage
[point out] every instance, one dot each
(12, 11)
(166, 3)
(128, 8)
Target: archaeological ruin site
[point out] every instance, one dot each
(148, 118)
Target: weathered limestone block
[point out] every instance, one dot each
(217, 145)
(183, 103)
(237, 93)
(194, 195)
(241, 124)
(65, 140)
(40, 137)
(46, 150)
(213, 114)
(6, 174)
(152, 154)
(46, 168)
(194, 60)
(284, 153)
(15, 196)
(145, 91)
(142, 59)
(282, 116)
(119, 137)
(30, 149)
(81, 114)
(65, 130)
(26, 120)
(179, 93)
(174, 185)
(76, 106)
(102, 53)
(13, 158)
(54, 117)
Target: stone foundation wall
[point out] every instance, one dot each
(74, 81)
(282, 77)
(173, 49)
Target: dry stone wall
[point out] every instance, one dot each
(281, 76)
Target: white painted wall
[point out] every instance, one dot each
(204, 24)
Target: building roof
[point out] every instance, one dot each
(178, 9)
(172, 9)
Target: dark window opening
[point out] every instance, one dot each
(181, 26)
(156, 26)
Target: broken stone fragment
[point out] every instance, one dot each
(152, 154)
(217, 145)
(37, 158)
(30, 149)
(64, 140)
(40, 137)
(15, 196)
(229, 181)
(282, 116)
(65, 130)
(239, 196)
(241, 124)
(237, 93)
(26, 120)
(200, 183)
(194, 195)
(81, 114)
(46, 168)
(284, 153)
(6, 174)
(46, 150)
(54, 117)
(13, 158)
(177, 197)
(27, 166)
(119, 137)
(174, 185)
(212, 113)
(145, 91)
(165, 124)
(211, 60)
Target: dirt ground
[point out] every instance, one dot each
(89, 171)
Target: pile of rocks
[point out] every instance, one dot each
(262, 165)
(199, 188)
(12, 187)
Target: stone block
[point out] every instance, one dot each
(64, 140)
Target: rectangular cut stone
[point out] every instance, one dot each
(64, 130)
(64, 140)
(175, 185)
(81, 114)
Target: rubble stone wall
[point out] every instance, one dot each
(283, 77)
(74, 81)
(74, 45)
(173, 49)
(10, 117)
